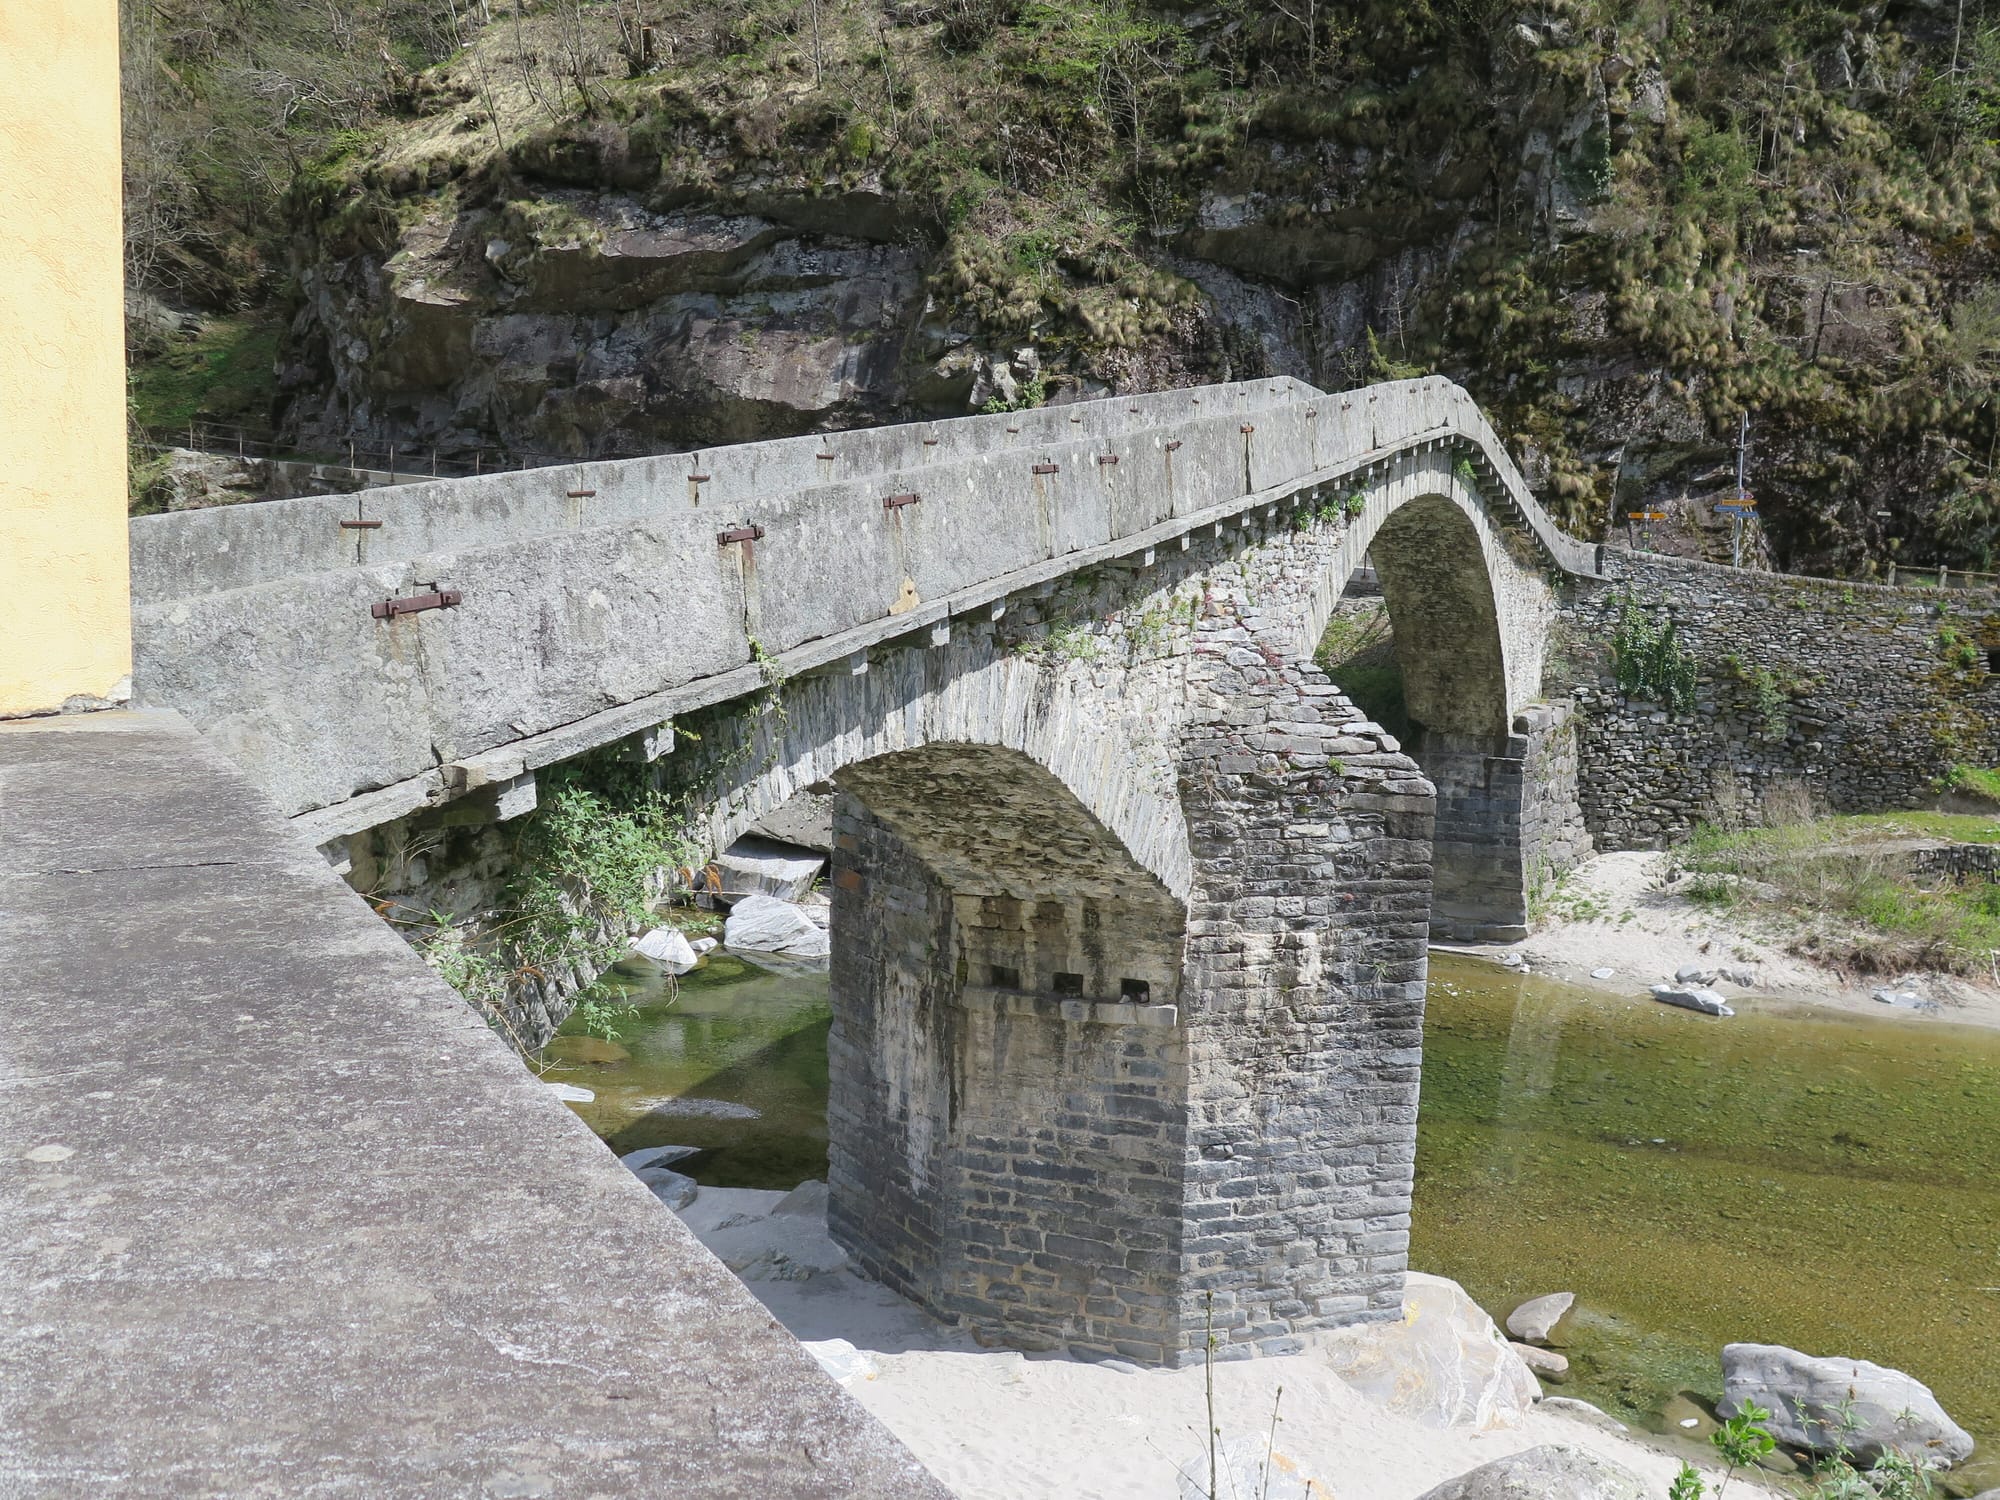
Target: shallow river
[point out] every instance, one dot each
(1826, 1182)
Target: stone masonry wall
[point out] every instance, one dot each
(1879, 690)
(1006, 1138)
(1303, 996)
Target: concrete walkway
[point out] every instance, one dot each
(279, 1216)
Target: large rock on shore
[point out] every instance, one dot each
(1692, 997)
(766, 867)
(1830, 1404)
(1552, 1472)
(1444, 1364)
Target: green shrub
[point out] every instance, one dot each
(1650, 660)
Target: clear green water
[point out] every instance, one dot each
(1826, 1182)
(735, 1063)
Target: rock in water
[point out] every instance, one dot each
(1602, 973)
(1544, 1362)
(1534, 1320)
(754, 866)
(1251, 1467)
(569, 1093)
(1692, 998)
(1826, 1404)
(668, 947)
(671, 1188)
(1444, 1364)
(1554, 1471)
(767, 925)
(656, 1156)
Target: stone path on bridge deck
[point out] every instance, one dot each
(279, 1216)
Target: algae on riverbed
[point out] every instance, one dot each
(734, 1062)
(1822, 1181)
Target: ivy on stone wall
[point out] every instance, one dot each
(1651, 661)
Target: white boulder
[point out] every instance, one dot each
(1554, 1471)
(1534, 1320)
(1443, 1364)
(672, 1188)
(569, 1093)
(807, 1200)
(1544, 1362)
(765, 924)
(1692, 997)
(656, 1156)
(765, 867)
(1836, 1403)
(669, 948)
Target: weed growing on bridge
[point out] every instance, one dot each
(1153, 632)
(594, 858)
(1770, 693)
(1955, 648)
(1651, 661)
(590, 863)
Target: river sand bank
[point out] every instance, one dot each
(997, 1425)
(1620, 912)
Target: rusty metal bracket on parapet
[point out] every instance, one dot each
(1045, 468)
(410, 604)
(740, 534)
(897, 502)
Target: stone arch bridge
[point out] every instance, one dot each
(1131, 903)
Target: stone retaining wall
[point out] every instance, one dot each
(1880, 691)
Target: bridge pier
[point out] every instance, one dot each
(1069, 1109)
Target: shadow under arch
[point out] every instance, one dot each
(1007, 1098)
(1437, 583)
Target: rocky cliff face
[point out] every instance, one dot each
(939, 208)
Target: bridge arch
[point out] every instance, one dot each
(1470, 607)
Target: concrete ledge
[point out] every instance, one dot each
(281, 1217)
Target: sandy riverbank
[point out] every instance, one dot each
(1618, 912)
(995, 1425)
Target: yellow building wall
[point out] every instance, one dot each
(65, 590)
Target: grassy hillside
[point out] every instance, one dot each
(1621, 222)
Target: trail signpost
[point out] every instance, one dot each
(1739, 505)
